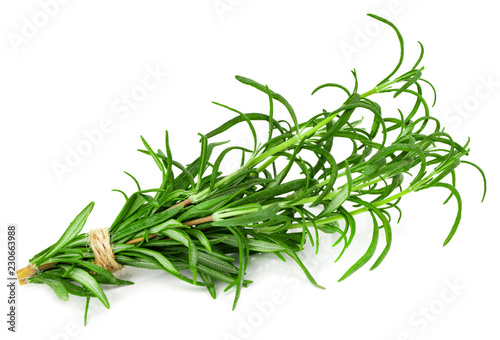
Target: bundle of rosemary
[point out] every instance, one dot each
(193, 223)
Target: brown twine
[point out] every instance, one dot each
(103, 251)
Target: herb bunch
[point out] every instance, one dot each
(201, 225)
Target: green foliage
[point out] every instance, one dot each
(259, 208)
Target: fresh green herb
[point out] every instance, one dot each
(193, 224)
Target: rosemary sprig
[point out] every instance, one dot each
(193, 223)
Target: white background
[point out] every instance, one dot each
(69, 73)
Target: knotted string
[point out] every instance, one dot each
(103, 251)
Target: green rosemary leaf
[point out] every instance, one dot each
(85, 315)
(203, 209)
(145, 222)
(255, 245)
(109, 278)
(343, 119)
(178, 236)
(185, 179)
(311, 279)
(482, 175)
(271, 114)
(382, 153)
(201, 237)
(168, 163)
(216, 263)
(254, 217)
(248, 121)
(138, 262)
(74, 228)
(162, 243)
(333, 173)
(188, 180)
(155, 157)
(332, 85)
(209, 283)
(87, 281)
(409, 83)
(219, 160)
(269, 193)
(238, 119)
(374, 167)
(350, 225)
(182, 237)
(368, 254)
(215, 274)
(238, 282)
(162, 260)
(151, 200)
(74, 289)
(134, 179)
(455, 193)
(122, 247)
(193, 259)
(385, 225)
(121, 192)
(340, 197)
(276, 96)
(203, 159)
(55, 284)
(401, 43)
(445, 172)
(133, 203)
(433, 90)
(420, 56)
(219, 255)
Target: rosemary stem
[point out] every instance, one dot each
(394, 197)
(269, 153)
(353, 212)
(267, 163)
